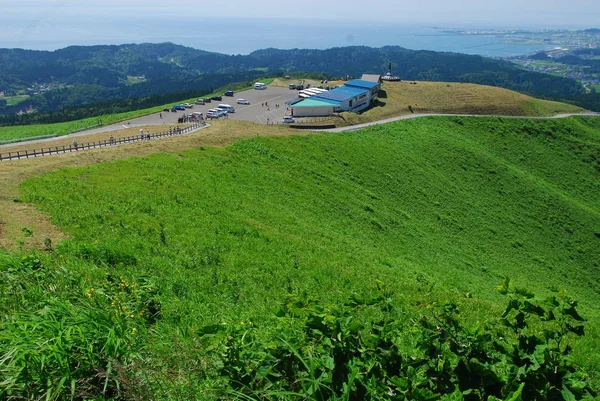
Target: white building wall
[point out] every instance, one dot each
(317, 111)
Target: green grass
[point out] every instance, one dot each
(14, 100)
(26, 131)
(597, 88)
(434, 208)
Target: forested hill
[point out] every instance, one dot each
(113, 67)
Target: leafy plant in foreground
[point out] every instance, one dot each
(363, 350)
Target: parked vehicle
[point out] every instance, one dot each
(179, 107)
(228, 93)
(198, 115)
(292, 86)
(260, 86)
(206, 100)
(216, 98)
(199, 101)
(242, 101)
(167, 109)
(212, 115)
(218, 112)
(227, 107)
(299, 87)
(288, 120)
(188, 105)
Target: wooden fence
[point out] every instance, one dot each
(54, 150)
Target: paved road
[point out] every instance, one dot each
(256, 111)
(252, 112)
(411, 116)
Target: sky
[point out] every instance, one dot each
(242, 26)
(467, 13)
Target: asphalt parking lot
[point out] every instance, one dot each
(261, 109)
(256, 111)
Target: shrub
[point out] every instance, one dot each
(363, 350)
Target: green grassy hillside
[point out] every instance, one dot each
(437, 208)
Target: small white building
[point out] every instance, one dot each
(314, 108)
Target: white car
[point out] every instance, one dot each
(242, 101)
(188, 105)
(218, 112)
(288, 120)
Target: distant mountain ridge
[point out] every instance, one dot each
(172, 66)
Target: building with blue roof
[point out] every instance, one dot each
(354, 96)
(359, 83)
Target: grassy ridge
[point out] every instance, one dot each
(456, 98)
(441, 205)
(425, 97)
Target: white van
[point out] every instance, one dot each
(260, 86)
(219, 112)
(227, 107)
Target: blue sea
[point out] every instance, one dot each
(241, 36)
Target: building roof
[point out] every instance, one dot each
(312, 91)
(293, 101)
(350, 90)
(315, 103)
(333, 95)
(370, 77)
(342, 93)
(359, 83)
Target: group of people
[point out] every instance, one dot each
(144, 135)
(266, 104)
(111, 140)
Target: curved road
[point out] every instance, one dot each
(411, 116)
(171, 118)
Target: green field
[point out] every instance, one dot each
(14, 100)
(211, 241)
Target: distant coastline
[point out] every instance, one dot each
(242, 36)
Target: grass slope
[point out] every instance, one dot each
(456, 98)
(448, 205)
